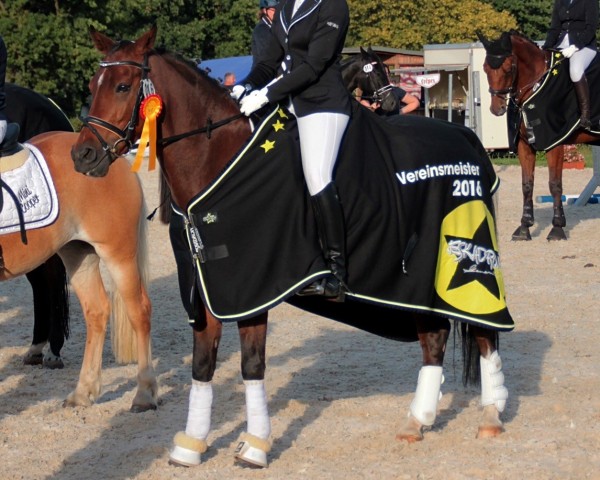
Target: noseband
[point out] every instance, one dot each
(125, 135)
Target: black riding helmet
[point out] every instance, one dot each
(268, 3)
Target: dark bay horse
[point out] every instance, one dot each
(98, 220)
(35, 114)
(191, 157)
(365, 71)
(514, 66)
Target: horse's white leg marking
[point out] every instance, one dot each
(190, 445)
(255, 444)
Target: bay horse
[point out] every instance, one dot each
(35, 114)
(190, 159)
(366, 72)
(98, 220)
(514, 66)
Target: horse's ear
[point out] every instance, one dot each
(505, 42)
(101, 41)
(482, 38)
(362, 51)
(146, 41)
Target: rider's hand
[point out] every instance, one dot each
(238, 92)
(569, 51)
(253, 101)
(3, 126)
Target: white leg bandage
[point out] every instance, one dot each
(493, 391)
(199, 410)
(427, 396)
(257, 414)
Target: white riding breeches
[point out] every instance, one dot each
(320, 138)
(579, 61)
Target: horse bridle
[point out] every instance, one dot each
(378, 94)
(503, 92)
(126, 135)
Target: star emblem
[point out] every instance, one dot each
(281, 113)
(477, 260)
(554, 71)
(268, 145)
(278, 125)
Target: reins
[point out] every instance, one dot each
(126, 135)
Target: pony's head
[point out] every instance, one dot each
(501, 70)
(368, 73)
(113, 122)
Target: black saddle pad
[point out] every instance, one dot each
(419, 215)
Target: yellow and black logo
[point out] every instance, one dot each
(468, 275)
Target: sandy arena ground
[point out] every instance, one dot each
(336, 395)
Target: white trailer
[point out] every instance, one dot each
(462, 95)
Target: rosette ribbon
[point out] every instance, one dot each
(149, 111)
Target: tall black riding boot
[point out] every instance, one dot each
(332, 235)
(582, 90)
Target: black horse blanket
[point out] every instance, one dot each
(552, 113)
(417, 200)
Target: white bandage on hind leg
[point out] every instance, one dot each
(257, 414)
(493, 391)
(199, 410)
(427, 396)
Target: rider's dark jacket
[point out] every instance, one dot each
(3, 60)
(578, 18)
(309, 46)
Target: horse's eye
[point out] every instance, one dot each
(123, 88)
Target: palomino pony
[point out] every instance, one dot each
(514, 66)
(37, 114)
(191, 158)
(365, 71)
(98, 219)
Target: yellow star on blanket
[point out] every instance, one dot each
(278, 125)
(268, 145)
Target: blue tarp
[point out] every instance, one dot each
(240, 66)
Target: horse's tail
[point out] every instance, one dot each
(123, 340)
(60, 304)
(470, 354)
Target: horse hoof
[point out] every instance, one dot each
(187, 450)
(409, 438)
(34, 359)
(557, 233)
(489, 431)
(411, 432)
(252, 451)
(142, 408)
(53, 362)
(521, 234)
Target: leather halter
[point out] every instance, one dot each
(126, 135)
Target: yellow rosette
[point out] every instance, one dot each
(149, 110)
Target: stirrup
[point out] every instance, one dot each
(328, 287)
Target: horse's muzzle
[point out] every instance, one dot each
(87, 161)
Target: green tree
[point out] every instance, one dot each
(533, 16)
(414, 24)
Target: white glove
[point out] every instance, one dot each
(3, 126)
(237, 92)
(253, 101)
(569, 51)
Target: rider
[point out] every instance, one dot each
(3, 62)
(262, 31)
(573, 32)
(306, 45)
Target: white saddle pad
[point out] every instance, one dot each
(35, 192)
